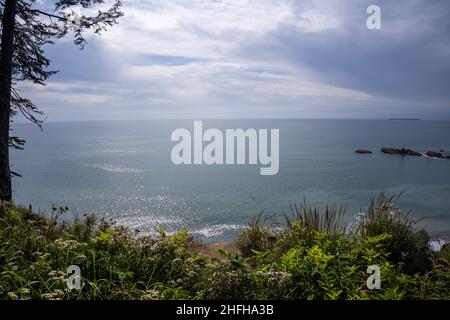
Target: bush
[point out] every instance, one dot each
(407, 246)
(306, 260)
(115, 264)
(256, 237)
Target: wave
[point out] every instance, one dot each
(148, 225)
(436, 245)
(217, 230)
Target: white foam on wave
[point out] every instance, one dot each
(148, 225)
(216, 230)
(436, 245)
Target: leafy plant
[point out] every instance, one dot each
(312, 258)
(408, 246)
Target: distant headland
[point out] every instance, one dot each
(405, 119)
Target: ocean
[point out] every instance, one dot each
(123, 170)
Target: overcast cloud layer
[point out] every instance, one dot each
(251, 59)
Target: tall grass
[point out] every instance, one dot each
(384, 216)
(408, 244)
(329, 220)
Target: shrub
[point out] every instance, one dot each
(115, 264)
(310, 259)
(407, 246)
(256, 237)
(327, 266)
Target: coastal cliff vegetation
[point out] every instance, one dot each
(313, 256)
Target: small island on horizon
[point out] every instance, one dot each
(405, 119)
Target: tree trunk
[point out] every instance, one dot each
(6, 57)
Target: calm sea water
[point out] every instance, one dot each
(123, 170)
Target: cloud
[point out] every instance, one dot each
(268, 58)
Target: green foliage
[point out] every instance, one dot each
(256, 237)
(115, 264)
(303, 261)
(407, 246)
(327, 266)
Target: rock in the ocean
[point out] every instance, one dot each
(391, 150)
(401, 151)
(434, 154)
(410, 152)
(363, 151)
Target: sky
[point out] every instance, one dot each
(208, 59)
